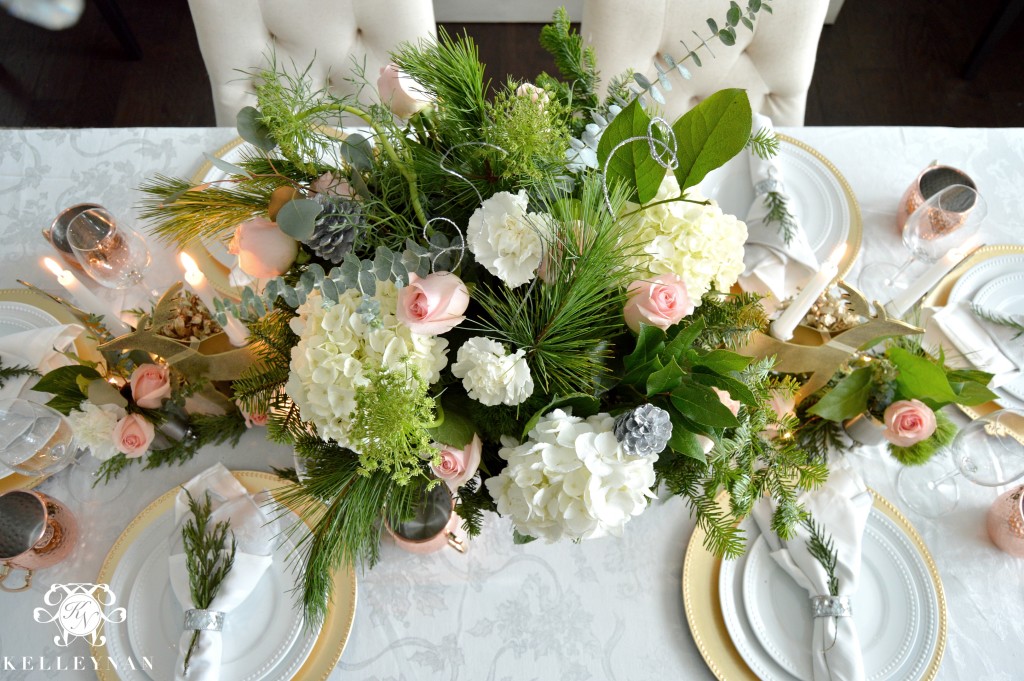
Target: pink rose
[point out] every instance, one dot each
(132, 435)
(726, 399)
(150, 385)
(403, 94)
(263, 250)
(329, 185)
(457, 466)
(783, 405)
(433, 304)
(251, 418)
(907, 422)
(661, 301)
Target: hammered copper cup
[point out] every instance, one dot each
(36, 531)
(1006, 522)
(433, 525)
(930, 182)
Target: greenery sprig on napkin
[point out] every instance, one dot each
(822, 548)
(998, 319)
(206, 556)
(7, 373)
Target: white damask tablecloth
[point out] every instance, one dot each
(604, 609)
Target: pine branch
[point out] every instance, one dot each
(822, 549)
(764, 143)
(729, 319)
(778, 214)
(576, 63)
(998, 319)
(207, 558)
(7, 373)
(473, 501)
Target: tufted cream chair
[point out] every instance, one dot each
(774, 63)
(238, 34)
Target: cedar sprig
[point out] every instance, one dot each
(778, 214)
(7, 373)
(207, 557)
(764, 143)
(998, 319)
(822, 549)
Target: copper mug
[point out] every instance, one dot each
(930, 182)
(36, 531)
(1006, 522)
(433, 525)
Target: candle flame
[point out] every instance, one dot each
(188, 263)
(52, 265)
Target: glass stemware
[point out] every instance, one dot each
(944, 224)
(114, 256)
(988, 451)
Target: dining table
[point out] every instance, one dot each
(608, 608)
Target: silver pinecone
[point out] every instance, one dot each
(643, 431)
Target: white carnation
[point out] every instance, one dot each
(700, 244)
(571, 478)
(338, 346)
(490, 375)
(94, 425)
(506, 239)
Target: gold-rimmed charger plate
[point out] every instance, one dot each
(701, 600)
(939, 296)
(341, 613)
(83, 347)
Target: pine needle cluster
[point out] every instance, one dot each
(822, 549)
(576, 62)
(730, 319)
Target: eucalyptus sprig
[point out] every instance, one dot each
(822, 549)
(998, 319)
(207, 557)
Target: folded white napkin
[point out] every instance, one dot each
(841, 508)
(37, 348)
(772, 266)
(253, 557)
(988, 347)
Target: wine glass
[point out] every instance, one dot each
(37, 441)
(114, 256)
(945, 223)
(988, 451)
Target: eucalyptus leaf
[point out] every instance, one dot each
(229, 168)
(642, 80)
(727, 36)
(253, 130)
(847, 399)
(632, 164)
(297, 218)
(733, 15)
(710, 134)
(713, 25)
(357, 151)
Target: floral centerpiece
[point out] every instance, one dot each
(521, 297)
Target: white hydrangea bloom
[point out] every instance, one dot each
(336, 348)
(700, 244)
(572, 479)
(492, 376)
(93, 426)
(506, 239)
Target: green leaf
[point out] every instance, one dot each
(229, 168)
(710, 134)
(581, 404)
(357, 151)
(971, 386)
(665, 380)
(847, 399)
(65, 404)
(737, 389)
(638, 374)
(454, 430)
(713, 25)
(727, 36)
(101, 392)
(748, 23)
(297, 218)
(683, 441)
(701, 404)
(723, 361)
(518, 538)
(632, 165)
(64, 381)
(733, 15)
(649, 343)
(252, 129)
(921, 379)
(683, 337)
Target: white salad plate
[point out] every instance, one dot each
(896, 608)
(264, 639)
(820, 198)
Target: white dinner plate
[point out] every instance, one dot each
(1004, 296)
(819, 196)
(896, 609)
(264, 638)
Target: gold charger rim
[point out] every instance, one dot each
(856, 234)
(337, 626)
(702, 602)
(50, 306)
(939, 296)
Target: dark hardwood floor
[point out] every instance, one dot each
(885, 62)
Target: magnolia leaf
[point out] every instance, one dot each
(664, 380)
(101, 392)
(253, 130)
(65, 380)
(297, 218)
(737, 389)
(683, 337)
(632, 164)
(700, 403)
(229, 168)
(684, 441)
(723, 361)
(847, 399)
(710, 134)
